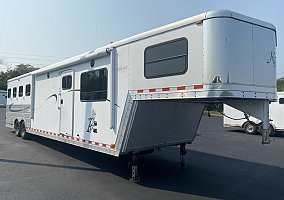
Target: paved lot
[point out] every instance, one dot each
(223, 164)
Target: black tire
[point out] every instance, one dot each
(250, 128)
(17, 128)
(23, 131)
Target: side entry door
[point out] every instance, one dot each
(67, 102)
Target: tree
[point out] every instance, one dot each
(280, 84)
(19, 70)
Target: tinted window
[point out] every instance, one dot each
(281, 101)
(9, 93)
(166, 59)
(28, 89)
(21, 91)
(67, 82)
(14, 92)
(94, 85)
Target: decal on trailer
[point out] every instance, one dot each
(93, 124)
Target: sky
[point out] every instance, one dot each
(42, 32)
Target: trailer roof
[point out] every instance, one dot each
(103, 50)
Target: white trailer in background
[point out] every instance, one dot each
(3, 97)
(149, 91)
(236, 118)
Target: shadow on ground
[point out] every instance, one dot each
(207, 175)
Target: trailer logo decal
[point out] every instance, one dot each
(93, 124)
(272, 58)
(53, 95)
(17, 110)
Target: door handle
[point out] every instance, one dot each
(61, 101)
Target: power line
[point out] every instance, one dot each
(37, 55)
(24, 58)
(25, 63)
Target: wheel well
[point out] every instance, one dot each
(243, 125)
(273, 126)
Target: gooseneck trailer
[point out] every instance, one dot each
(149, 91)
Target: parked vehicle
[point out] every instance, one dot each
(148, 91)
(251, 125)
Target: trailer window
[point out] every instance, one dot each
(14, 92)
(94, 85)
(166, 59)
(28, 89)
(9, 93)
(21, 91)
(67, 82)
(281, 101)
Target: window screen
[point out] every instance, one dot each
(14, 92)
(67, 82)
(21, 91)
(94, 85)
(166, 59)
(9, 93)
(28, 89)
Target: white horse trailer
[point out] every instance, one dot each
(148, 91)
(236, 118)
(3, 97)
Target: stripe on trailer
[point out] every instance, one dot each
(62, 135)
(198, 86)
(140, 91)
(165, 89)
(152, 90)
(181, 88)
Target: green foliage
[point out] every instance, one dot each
(19, 70)
(280, 84)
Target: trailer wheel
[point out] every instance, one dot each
(250, 127)
(17, 128)
(23, 131)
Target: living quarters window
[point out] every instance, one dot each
(28, 89)
(9, 93)
(166, 59)
(94, 85)
(14, 92)
(21, 91)
(67, 82)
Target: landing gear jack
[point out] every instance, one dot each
(134, 168)
(182, 152)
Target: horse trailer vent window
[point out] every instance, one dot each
(94, 85)
(9, 93)
(67, 82)
(21, 91)
(166, 59)
(28, 89)
(14, 92)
